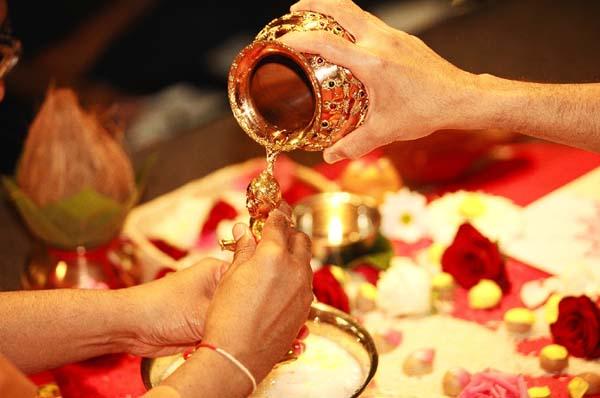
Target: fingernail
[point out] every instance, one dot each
(332, 157)
(239, 230)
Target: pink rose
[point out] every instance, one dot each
(494, 384)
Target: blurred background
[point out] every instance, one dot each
(158, 68)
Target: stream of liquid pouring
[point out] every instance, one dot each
(271, 158)
(262, 196)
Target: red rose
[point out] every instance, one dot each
(473, 257)
(578, 327)
(328, 290)
(370, 273)
(220, 211)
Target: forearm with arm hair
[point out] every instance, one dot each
(44, 329)
(564, 113)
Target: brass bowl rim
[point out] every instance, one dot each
(352, 199)
(318, 312)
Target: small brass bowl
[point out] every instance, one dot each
(342, 226)
(323, 320)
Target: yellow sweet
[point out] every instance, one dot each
(442, 288)
(519, 319)
(472, 206)
(555, 352)
(539, 392)
(366, 297)
(577, 387)
(484, 295)
(441, 281)
(368, 291)
(435, 253)
(554, 358)
(519, 315)
(551, 309)
(339, 274)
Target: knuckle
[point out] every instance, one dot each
(304, 240)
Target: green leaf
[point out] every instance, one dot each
(39, 225)
(87, 218)
(379, 255)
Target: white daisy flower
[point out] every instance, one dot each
(404, 216)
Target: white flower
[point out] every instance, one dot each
(404, 289)
(496, 217)
(404, 216)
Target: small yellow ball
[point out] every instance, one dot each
(485, 295)
(539, 392)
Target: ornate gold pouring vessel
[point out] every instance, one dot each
(287, 100)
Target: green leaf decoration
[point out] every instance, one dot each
(379, 256)
(87, 218)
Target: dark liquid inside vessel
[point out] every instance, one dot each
(282, 93)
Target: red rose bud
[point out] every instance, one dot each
(370, 273)
(303, 333)
(472, 257)
(329, 291)
(174, 252)
(578, 327)
(164, 271)
(220, 211)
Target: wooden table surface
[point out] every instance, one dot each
(523, 39)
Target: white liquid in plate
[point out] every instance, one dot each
(325, 369)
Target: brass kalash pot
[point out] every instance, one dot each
(288, 100)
